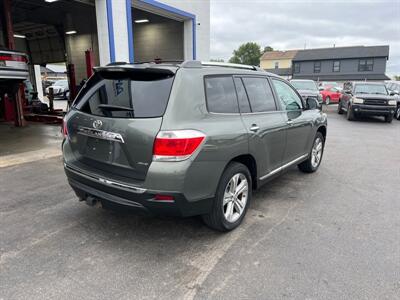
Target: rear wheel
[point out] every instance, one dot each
(328, 100)
(389, 118)
(340, 108)
(232, 198)
(314, 160)
(350, 114)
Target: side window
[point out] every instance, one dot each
(260, 94)
(221, 95)
(244, 105)
(287, 96)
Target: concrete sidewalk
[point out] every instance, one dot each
(28, 144)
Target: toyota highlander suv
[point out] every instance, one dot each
(367, 99)
(187, 139)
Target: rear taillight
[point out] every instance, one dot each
(13, 57)
(64, 129)
(176, 145)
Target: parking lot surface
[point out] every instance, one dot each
(334, 234)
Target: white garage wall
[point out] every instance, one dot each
(200, 8)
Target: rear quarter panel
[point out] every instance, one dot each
(226, 136)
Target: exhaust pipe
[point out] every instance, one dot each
(91, 201)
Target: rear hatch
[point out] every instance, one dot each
(115, 119)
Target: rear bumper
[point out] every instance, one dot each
(117, 195)
(375, 110)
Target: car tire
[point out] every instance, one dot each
(327, 100)
(315, 157)
(225, 215)
(397, 113)
(389, 119)
(350, 114)
(340, 108)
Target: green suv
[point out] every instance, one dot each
(187, 139)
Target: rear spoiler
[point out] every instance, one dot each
(141, 72)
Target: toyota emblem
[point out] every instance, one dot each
(97, 124)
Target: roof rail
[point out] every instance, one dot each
(199, 64)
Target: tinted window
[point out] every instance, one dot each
(125, 98)
(244, 105)
(221, 95)
(287, 96)
(260, 94)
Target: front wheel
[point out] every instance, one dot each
(397, 113)
(314, 160)
(339, 108)
(328, 100)
(350, 114)
(232, 198)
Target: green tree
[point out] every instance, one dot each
(396, 77)
(247, 54)
(267, 49)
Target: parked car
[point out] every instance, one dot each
(323, 85)
(394, 89)
(307, 88)
(188, 139)
(330, 95)
(60, 89)
(367, 98)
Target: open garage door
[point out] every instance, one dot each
(157, 37)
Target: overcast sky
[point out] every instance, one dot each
(294, 24)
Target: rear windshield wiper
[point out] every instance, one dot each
(110, 107)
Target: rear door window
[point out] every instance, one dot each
(260, 94)
(221, 95)
(127, 98)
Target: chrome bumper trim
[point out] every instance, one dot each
(79, 172)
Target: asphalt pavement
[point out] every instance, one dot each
(334, 234)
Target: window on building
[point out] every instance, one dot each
(317, 67)
(365, 65)
(260, 94)
(221, 95)
(336, 66)
(296, 67)
(277, 65)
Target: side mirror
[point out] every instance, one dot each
(312, 103)
(393, 93)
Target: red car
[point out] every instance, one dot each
(330, 95)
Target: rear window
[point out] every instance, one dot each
(127, 98)
(221, 95)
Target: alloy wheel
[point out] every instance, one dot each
(316, 153)
(235, 197)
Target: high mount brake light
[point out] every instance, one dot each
(176, 145)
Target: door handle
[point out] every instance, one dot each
(254, 128)
(289, 122)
